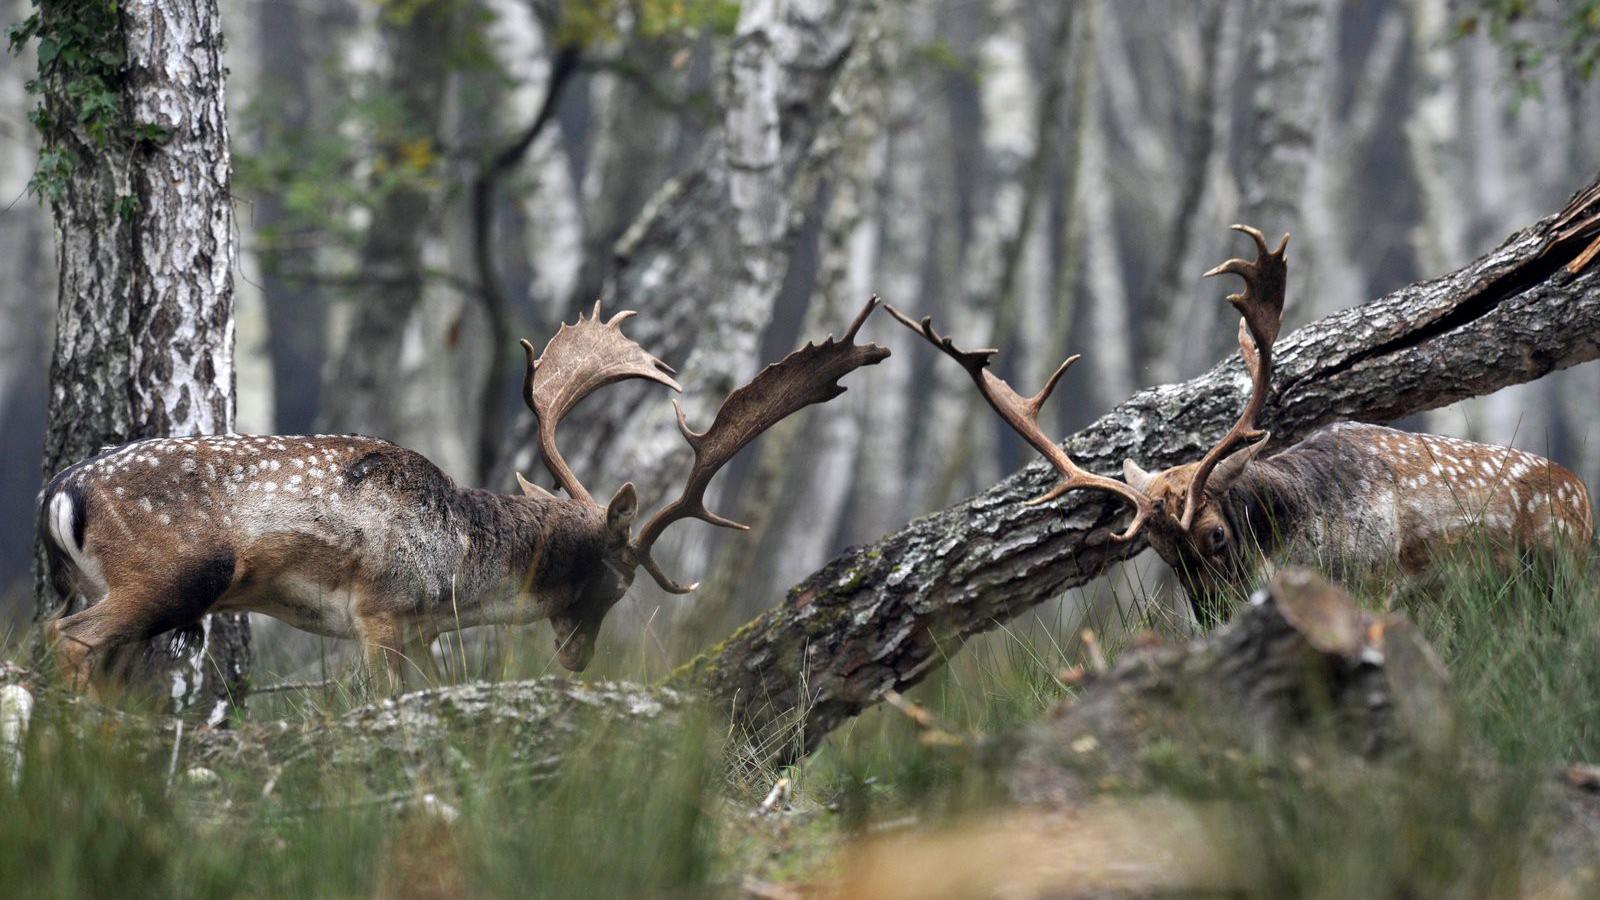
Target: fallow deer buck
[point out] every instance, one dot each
(1356, 499)
(355, 537)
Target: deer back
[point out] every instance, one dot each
(1354, 496)
(317, 530)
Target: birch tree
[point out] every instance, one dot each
(369, 378)
(135, 168)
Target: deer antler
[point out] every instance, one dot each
(806, 376)
(1022, 414)
(582, 358)
(1261, 306)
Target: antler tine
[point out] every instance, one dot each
(806, 376)
(581, 358)
(1260, 305)
(1022, 414)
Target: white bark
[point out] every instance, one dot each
(904, 223)
(953, 456)
(1112, 358)
(144, 236)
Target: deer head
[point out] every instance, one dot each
(1176, 509)
(593, 353)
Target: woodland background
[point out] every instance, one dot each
(417, 183)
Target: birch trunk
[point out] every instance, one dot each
(957, 456)
(1164, 337)
(703, 261)
(1288, 58)
(296, 312)
(1113, 358)
(374, 369)
(904, 226)
(144, 242)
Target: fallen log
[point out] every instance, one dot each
(880, 617)
(1201, 768)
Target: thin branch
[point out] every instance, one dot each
(492, 292)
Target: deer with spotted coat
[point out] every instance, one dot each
(355, 537)
(1355, 499)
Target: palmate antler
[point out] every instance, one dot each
(806, 376)
(1022, 414)
(582, 358)
(1261, 306)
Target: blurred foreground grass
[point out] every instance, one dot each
(646, 812)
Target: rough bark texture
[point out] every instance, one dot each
(880, 617)
(144, 240)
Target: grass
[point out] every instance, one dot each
(663, 814)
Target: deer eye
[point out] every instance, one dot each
(1216, 539)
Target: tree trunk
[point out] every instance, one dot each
(296, 314)
(729, 222)
(881, 616)
(1289, 51)
(144, 239)
(27, 296)
(373, 372)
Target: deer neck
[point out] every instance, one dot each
(534, 551)
(1267, 505)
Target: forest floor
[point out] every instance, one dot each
(98, 808)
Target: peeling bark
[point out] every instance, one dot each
(880, 617)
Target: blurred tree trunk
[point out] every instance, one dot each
(1015, 131)
(1069, 241)
(1334, 218)
(27, 297)
(904, 224)
(705, 258)
(296, 315)
(1205, 144)
(144, 240)
(804, 470)
(1112, 362)
(370, 375)
(882, 616)
(1288, 59)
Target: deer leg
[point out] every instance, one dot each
(86, 646)
(419, 659)
(384, 650)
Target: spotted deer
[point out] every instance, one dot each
(355, 537)
(1353, 498)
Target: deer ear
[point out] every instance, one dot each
(1234, 464)
(529, 489)
(620, 512)
(1137, 478)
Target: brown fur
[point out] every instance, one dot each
(1358, 499)
(342, 536)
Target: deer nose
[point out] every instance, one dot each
(575, 653)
